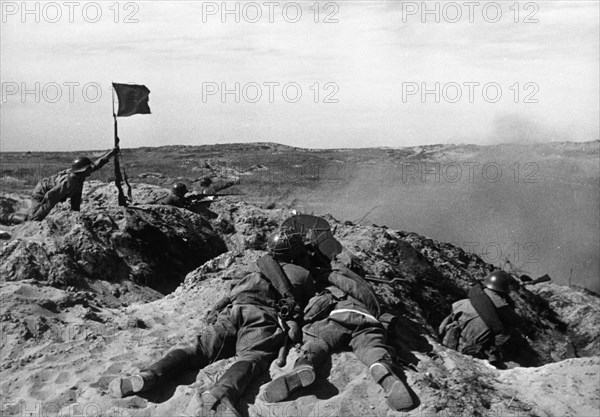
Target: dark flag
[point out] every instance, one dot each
(133, 99)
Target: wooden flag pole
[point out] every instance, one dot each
(118, 179)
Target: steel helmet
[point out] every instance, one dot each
(81, 164)
(286, 244)
(179, 189)
(498, 281)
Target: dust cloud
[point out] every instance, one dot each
(517, 128)
(538, 212)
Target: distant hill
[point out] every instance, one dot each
(534, 205)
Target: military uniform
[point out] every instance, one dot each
(345, 314)
(173, 199)
(351, 322)
(248, 327)
(55, 189)
(476, 338)
(215, 187)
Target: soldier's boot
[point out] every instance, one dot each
(12, 218)
(214, 407)
(175, 361)
(398, 397)
(282, 387)
(125, 386)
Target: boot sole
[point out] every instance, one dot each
(123, 387)
(379, 371)
(281, 388)
(398, 397)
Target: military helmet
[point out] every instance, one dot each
(498, 281)
(80, 164)
(205, 182)
(286, 244)
(179, 189)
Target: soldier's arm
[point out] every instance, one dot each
(194, 197)
(175, 201)
(76, 199)
(103, 160)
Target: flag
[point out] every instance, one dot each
(133, 99)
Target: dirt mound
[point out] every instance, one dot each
(66, 331)
(151, 245)
(579, 308)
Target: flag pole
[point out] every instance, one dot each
(118, 179)
(114, 116)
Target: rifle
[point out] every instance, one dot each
(195, 197)
(220, 195)
(381, 280)
(526, 280)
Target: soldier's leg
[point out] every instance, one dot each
(369, 341)
(40, 210)
(474, 338)
(369, 345)
(13, 218)
(215, 342)
(320, 339)
(258, 340)
(173, 362)
(493, 349)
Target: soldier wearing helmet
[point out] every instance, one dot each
(67, 184)
(346, 312)
(214, 185)
(498, 281)
(205, 182)
(248, 324)
(286, 245)
(482, 324)
(176, 196)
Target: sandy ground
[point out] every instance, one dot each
(66, 368)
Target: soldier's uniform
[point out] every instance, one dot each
(351, 323)
(248, 327)
(173, 199)
(55, 189)
(351, 320)
(476, 338)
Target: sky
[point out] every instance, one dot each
(309, 74)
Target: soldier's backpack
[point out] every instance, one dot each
(450, 330)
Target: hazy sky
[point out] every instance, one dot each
(374, 61)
